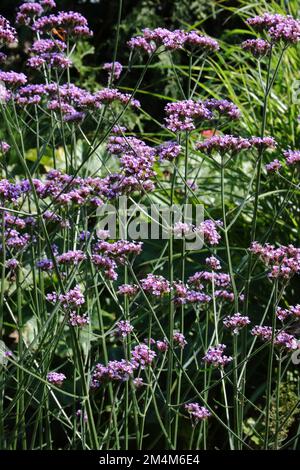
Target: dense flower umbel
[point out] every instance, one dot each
(124, 328)
(8, 34)
(283, 261)
(214, 263)
(293, 312)
(197, 412)
(273, 166)
(73, 23)
(13, 79)
(115, 68)
(72, 299)
(128, 289)
(4, 147)
(27, 11)
(181, 116)
(281, 339)
(179, 339)
(232, 144)
(118, 371)
(171, 40)
(292, 156)
(215, 356)
(258, 47)
(155, 285)
(236, 322)
(208, 230)
(142, 356)
(56, 378)
(279, 27)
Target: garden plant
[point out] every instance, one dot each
(149, 232)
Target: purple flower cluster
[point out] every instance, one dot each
(279, 27)
(186, 115)
(215, 356)
(229, 143)
(179, 339)
(56, 378)
(4, 147)
(181, 115)
(114, 70)
(124, 328)
(292, 156)
(142, 356)
(155, 285)
(183, 294)
(109, 95)
(197, 412)
(73, 23)
(171, 40)
(27, 11)
(220, 279)
(13, 79)
(128, 289)
(73, 299)
(118, 371)
(236, 322)
(208, 230)
(283, 261)
(293, 312)
(273, 166)
(213, 263)
(258, 47)
(168, 151)
(281, 339)
(8, 34)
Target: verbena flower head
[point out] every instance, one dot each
(292, 156)
(155, 285)
(281, 339)
(223, 144)
(258, 47)
(56, 378)
(27, 11)
(168, 151)
(142, 356)
(8, 34)
(138, 382)
(73, 23)
(273, 166)
(128, 289)
(205, 43)
(182, 115)
(171, 40)
(115, 371)
(13, 79)
(162, 345)
(78, 320)
(215, 356)
(283, 261)
(179, 339)
(4, 147)
(222, 108)
(124, 328)
(213, 263)
(197, 412)
(114, 70)
(208, 230)
(236, 322)
(279, 27)
(48, 4)
(293, 312)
